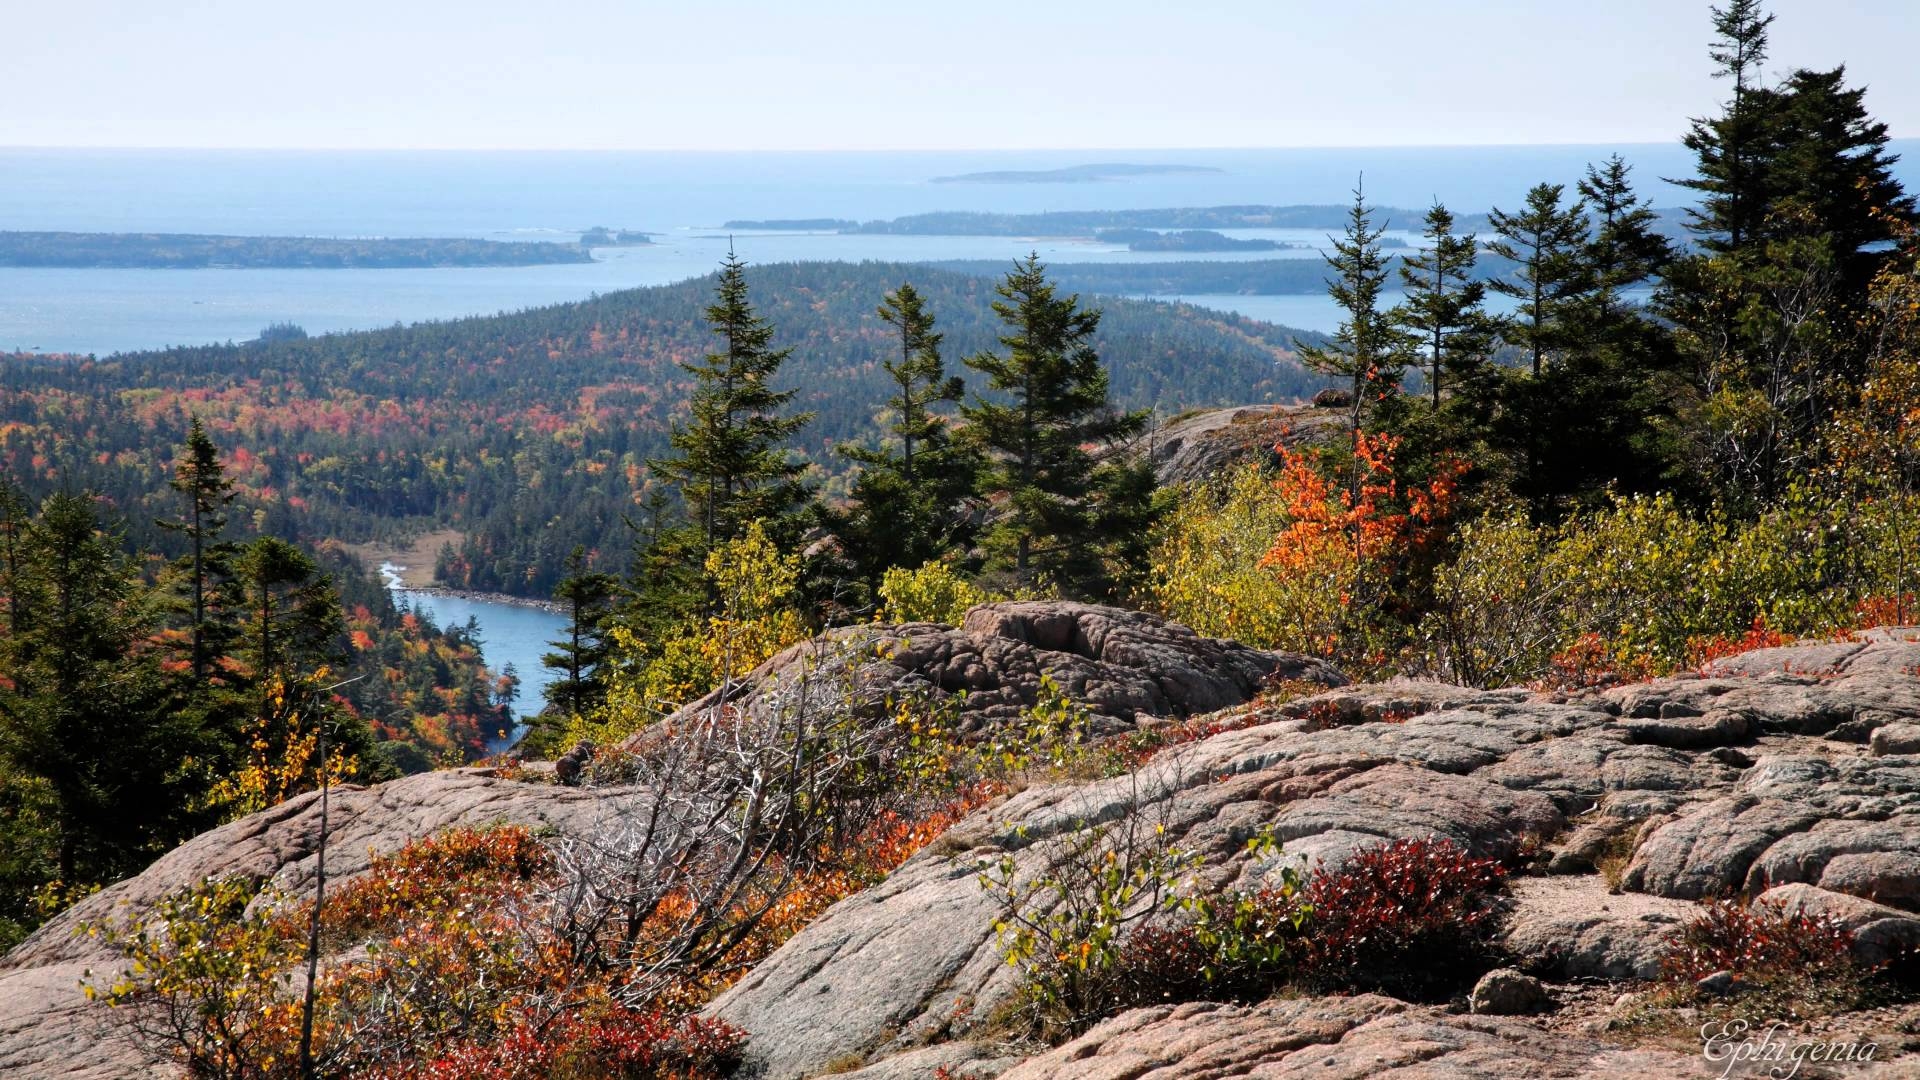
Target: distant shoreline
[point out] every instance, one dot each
(196, 251)
(549, 606)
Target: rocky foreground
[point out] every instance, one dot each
(1789, 773)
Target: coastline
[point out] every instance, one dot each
(400, 585)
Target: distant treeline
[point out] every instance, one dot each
(1090, 222)
(1253, 277)
(1181, 240)
(189, 251)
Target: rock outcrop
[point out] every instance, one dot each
(1208, 444)
(47, 1029)
(1792, 794)
(1757, 777)
(1122, 666)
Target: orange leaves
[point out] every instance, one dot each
(1375, 516)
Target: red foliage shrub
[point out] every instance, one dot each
(1411, 916)
(1704, 651)
(1888, 610)
(622, 1043)
(1756, 939)
(434, 874)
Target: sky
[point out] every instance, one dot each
(860, 75)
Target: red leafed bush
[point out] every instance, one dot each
(1761, 940)
(1703, 651)
(443, 871)
(622, 1044)
(1411, 917)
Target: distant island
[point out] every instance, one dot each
(1182, 240)
(810, 224)
(1086, 222)
(1072, 174)
(601, 236)
(184, 251)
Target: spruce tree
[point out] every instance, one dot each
(1442, 309)
(199, 477)
(1368, 350)
(1056, 498)
(1545, 241)
(578, 657)
(1732, 202)
(906, 506)
(86, 710)
(1624, 249)
(732, 467)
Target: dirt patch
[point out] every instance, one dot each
(414, 557)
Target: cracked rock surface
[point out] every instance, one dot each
(1786, 793)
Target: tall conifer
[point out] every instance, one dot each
(1040, 433)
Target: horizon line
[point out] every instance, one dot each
(132, 148)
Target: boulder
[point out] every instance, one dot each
(1122, 666)
(1506, 992)
(1207, 445)
(1880, 933)
(1896, 739)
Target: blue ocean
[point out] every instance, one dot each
(685, 198)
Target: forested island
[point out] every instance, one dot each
(189, 251)
(1182, 240)
(601, 236)
(1072, 174)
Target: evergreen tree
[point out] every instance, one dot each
(1624, 249)
(1546, 241)
(1442, 307)
(578, 657)
(733, 467)
(293, 635)
(1367, 350)
(906, 507)
(199, 477)
(1055, 497)
(85, 709)
(1727, 146)
(1831, 175)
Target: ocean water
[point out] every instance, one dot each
(685, 197)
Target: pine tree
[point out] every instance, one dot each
(200, 478)
(86, 709)
(579, 656)
(733, 467)
(1442, 306)
(1054, 495)
(1545, 240)
(906, 506)
(1727, 147)
(1368, 350)
(1625, 249)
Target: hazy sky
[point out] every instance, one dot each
(854, 74)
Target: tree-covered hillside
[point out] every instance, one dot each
(530, 431)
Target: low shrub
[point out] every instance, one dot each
(1790, 965)
(1756, 942)
(1411, 917)
(1105, 928)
